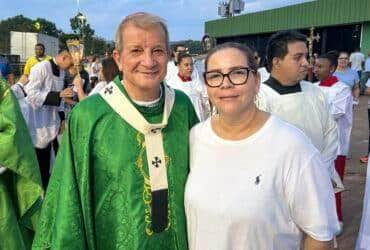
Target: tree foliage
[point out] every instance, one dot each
(93, 45)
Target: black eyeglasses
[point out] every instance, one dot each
(238, 76)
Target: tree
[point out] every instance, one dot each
(81, 27)
(46, 27)
(24, 24)
(195, 47)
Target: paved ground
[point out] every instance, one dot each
(354, 179)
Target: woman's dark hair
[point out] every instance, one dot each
(245, 50)
(332, 57)
(182, 56)
(110, 69)
(277, 45)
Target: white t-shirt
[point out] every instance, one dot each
(356, 59)
(94, 69)
(98, 87)
(307, 110)
(257, 193)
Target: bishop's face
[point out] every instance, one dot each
(143, 59)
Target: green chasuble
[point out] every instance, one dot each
(99, 194)
(20, 182)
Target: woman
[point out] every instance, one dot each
(347, 75)
(255, 182)
(108, 72)
(194, 88)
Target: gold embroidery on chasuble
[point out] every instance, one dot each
(147, 194)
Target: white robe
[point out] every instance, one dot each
(308, 111)
(44, 118)
(340, 100)
(197, 93)
(173, 70)
(363, 240)
(264, 74)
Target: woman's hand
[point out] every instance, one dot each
(77, 81)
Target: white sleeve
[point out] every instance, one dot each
(331, 138)
(339, 105)
(35, 89)
(310, 198)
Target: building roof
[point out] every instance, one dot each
(319, 13)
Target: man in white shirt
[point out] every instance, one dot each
(356, 60)
(44, 94)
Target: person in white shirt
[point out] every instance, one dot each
(255, 181)
(339, 98)
(357, 60)
(44, 94)
(193, 88)
(107, 73)
(94, 71)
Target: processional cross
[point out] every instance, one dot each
(311, 39)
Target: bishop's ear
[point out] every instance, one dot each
(117, 58)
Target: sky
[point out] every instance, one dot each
(185, 18)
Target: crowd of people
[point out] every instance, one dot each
(157, 153)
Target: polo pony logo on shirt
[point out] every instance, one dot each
(108, 90)
(258, 180)
(156, 162)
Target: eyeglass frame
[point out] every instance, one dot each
(228, 76)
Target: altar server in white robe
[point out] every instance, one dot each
(340, 101)
(172, 65)
(44, 94)
(298, 102)
(194, 88)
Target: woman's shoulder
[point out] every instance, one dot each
(289, 135)
(200, 130)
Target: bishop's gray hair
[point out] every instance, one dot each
(142, 20)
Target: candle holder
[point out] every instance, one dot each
(76, 49)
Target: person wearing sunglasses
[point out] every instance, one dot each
(255, 181)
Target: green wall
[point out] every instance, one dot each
(365, 40)
(318, 13)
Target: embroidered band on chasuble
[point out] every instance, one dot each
(154, 147)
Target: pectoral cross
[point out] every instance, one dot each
(311, 39)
